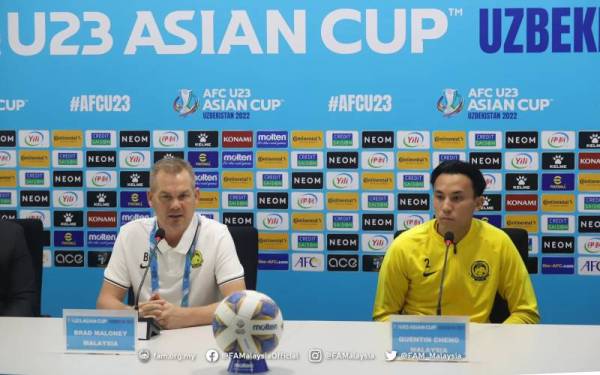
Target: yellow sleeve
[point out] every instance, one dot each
(392, 284)
(516, 288)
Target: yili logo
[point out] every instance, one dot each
(168, 139)
(5, 158)
(413, 139)
(413, 181)
(558, 140)
(101, 179)
(592, 245)
(341, 139)
(378, 201)
(377, 160)
(485, 140)
(272, 221)
(67, 158)
(378, 243)
(558, 223)
(34, 178)
(135, 159)
(343, 180)
(308, 242)
(237, 200)
(342, 221)
(100, 139)
(34, 138)
(521, 161)
(308, 201)
(272, 180)
(67, 199)
(412, 220)
(591, 203)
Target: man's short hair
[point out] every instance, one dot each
(171, 166)
(464, 168)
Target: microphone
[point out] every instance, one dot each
(448, 240)
(152, 327)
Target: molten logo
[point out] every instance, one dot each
(593, 245)
(342, 180)
(4, 158)
(168, 139)
(413, 139)
(412, 220)
(273, 221)
(101, 179)
(558, 140)
(378, 160)
(378, 243)
(135, 159)
(308, 201)
(521, 161)
(67, 199)
(34, 139)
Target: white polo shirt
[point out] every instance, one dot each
(220, 262)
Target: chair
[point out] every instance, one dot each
(34, 230)
(520, 239)
(246, 246)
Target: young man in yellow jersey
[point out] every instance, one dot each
(480, 260)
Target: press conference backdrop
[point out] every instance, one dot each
(316, 122)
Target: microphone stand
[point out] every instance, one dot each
(152, 328)
(449, 240)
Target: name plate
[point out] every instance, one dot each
(429, 338)
(100, 331)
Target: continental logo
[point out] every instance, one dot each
(342, 201)
(377, 181)
(527, 222)
(273, 241)
(414, 160)
(272, 160)
(306, 221)
(307, 139)
(558, 202)
(208, 199)
(238, 180)
(40, 159)
(67, 138)
(449, 140)
(8, 178)
(589, 182)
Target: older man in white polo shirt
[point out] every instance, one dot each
(195, 266)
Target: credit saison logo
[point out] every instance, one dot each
(204, 159)
(272, 139)
(588, 203)
(377, 139)
(559, 160)
(337, 262)
(101, 179)
(269, 180)
(273, 221)
(100, 138)
(307, 180)
(68, 218)
(522, 139)
(521, 181)
(237, 200)
(136, 179)
(68, 198)
(207, 180)
(377, 202)
(485, 140)
(557, 224)
(342, 180)
(413, 181)
(131, 199)
(67, 179)
(168, 139)
(237, 139)
(491, 202)
(34, 138)
(378, 160)
(102, 199)
(307, 159)
(589, 224)
(342, 160)
(378, 222)
(240, 159)
(7, 198)
(486, 160)
(8, 138)
(342, 139)
(276, 201)
(67, 159)
(240, 219)
(558, 139)
(134, 159)
(101, 159)
(586, 139)
(129, 138)
(342, 222)
(440, 157)
(34, 198)
(342, 242)
(589, 160)
(307, 241)
(417, 202)
(34, 178)
(203, 139)
(66, 258)
(558, 245)
(521, 161)
(540, 30)
(416, 140)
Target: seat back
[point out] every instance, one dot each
(34, 236)
(246, 246)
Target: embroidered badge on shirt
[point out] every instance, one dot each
(197, 259)
(480, 270)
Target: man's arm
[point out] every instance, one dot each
(515, 286)
(111, 297)
(391, 286)
(22, 291)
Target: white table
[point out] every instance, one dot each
(36, 346)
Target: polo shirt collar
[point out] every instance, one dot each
(185, 242)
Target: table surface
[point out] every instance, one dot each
(36, 346)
